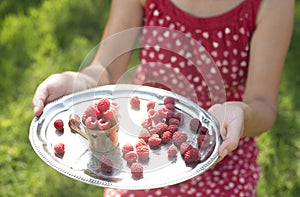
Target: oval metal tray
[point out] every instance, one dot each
(81, 164)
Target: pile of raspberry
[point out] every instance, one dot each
(135, 155)
(102, 115)
(161, 127)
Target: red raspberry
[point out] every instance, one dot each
(152, 130)
(59, 149)
(164, 113)
(179, 116)
(161, 128)
(192, 156)
(59, 125)
(144, 134)
(173, 128)
(203, 141)
(184, 147)
(137, 170)
(110, 114)
(73, 121)
(106, 165)
(135, 102)
(150, 105)
(195, 124)
(131, 157)
(92, 111)
(170, 106)
(103, 104)
(172, 151)
(104, 124)
(154, 115)
(154, 141)
(179, 137)
(127, 148)
(147, 122)
(203, 130)
(91, 122)
(166, 137)
(173, 121)
(143, 153)
(141, 142)
(169, 100)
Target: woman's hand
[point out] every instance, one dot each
(56, 86)
(231, 119)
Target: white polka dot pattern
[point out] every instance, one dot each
(191, 66)
(228, 51)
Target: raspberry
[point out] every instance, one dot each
(164, 113)
(75, 122)
(135, 102)
(195, 124)
(170, 100)
(143, 153)
(179, 116)
(59, 149)
(166, 137)
(203, 141)
(170, 106)
(161, 128)
(192, 156)
(59, 124)
(150, 105)
(203, 130)
(91, 122)
(147, 122)
(104, 124)
(154, 141)
(152, 130)
(172, 151)
(141, 142)
(144, 134)
(173, 121)
(110, 115)
(154, 115)
(127, 148)
(173, 128)
(103, 104)
(131, 157)
(92, 111)
(179, 137)
(137, 170)
(106, 165)
(184, 147)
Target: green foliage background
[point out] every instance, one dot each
(41, 37)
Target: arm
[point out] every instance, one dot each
(110, 62)
(117, 42)
(268, 49)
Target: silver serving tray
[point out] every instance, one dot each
(81, 164)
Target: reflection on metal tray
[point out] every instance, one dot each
(81, 164)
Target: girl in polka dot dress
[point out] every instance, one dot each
(225, 55)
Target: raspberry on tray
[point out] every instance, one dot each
(131, 157)
(137, 170)
(59, 150)
(127, 148)
(59, 125)
(192, 156)
(172, 151)
(106, 165)
(179, 137)
(135, 102)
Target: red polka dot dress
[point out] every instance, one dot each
(206, 60)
